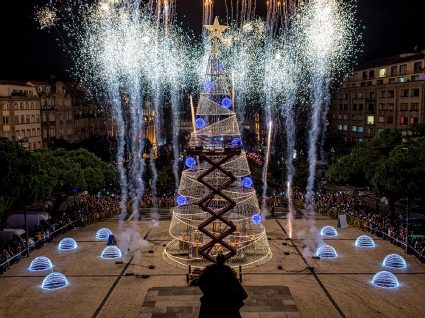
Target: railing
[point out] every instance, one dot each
(35, 243)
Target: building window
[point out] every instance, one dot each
(354, 96)
(403, 69)
(371, 107)
(360, 106)
(390, 106)
(345, 117)
(360, 129)
(403, 120)
(6, 120)
(344, 127)
(414, 78)
(27, 119)
(33, 118)
(400, 79)
(381, 119)
(16, 120)
(414, 107)
(404, 93)
(340, 106)
(354, 106)
(417, 67)
(393, 70)
(413, 120)
(38, 131)
(381, 106)
(380, 82)
(339, 116)
(382, 72)
(415, 92)
(390, 94)
(362, 84)
(391, 80)
(353, 128)
(403, 106)
(364, 75)
(382, 94)
(370, 120)
(345, 106)
(339, 127)
(390, 120)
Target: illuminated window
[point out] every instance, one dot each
(370, 120)
(344, 127)
(400, 79)
(381, 119)
(414, 78)
(382, 72)
(339, 127)
(403, 120)
(353, 128)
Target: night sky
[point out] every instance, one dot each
(390, 27)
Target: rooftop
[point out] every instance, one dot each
(396, 59)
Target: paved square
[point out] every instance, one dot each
(100, 288)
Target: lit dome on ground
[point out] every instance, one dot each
(394, 261)
(328, 231)
(365, 241)
(67, 244)
(111, 252)
(40, 263)
(103, 233)
(385, 279)
(326, 251)
(54, 281)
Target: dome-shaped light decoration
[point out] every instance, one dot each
(111, 252)
(190, 162)
(385, 279)
(199, 123)
(208, 85)
(54, 281)
(236, 142)
(40, 263)
(247, 182)
(226, 102)
(364, 241)
(181, 200)
(394, 261)
(67, 244)
(103, 233)
(326, 251)
(328, 231)
(257, 219)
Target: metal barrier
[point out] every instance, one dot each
(35, 243)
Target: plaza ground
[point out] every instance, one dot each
(100, 288)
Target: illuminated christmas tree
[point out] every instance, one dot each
(217, 208)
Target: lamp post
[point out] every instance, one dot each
(406, 136)
(23, 141)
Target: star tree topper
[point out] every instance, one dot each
(216, 30)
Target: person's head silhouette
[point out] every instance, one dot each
(220, 259)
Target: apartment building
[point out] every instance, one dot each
(385, 93)
(20, 114)
(57, 116)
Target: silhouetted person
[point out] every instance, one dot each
(223, 293)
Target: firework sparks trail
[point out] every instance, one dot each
(207, 13)
(240, 11)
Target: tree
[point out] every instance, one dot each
(402, 173)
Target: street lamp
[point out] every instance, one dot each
(23, 141)
(406, 136)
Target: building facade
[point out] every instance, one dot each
(20, 114)
(382, 94)
(57, 114)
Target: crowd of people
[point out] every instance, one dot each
(372, 220)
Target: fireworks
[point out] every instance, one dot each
(132, 54)
(46, 18)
